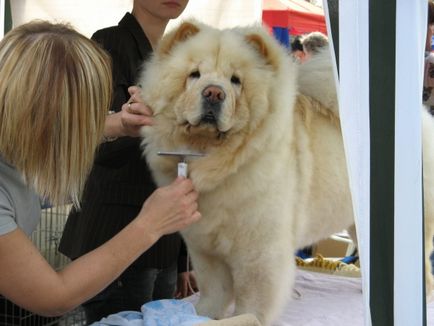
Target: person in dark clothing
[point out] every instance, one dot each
(297, 48)
(120, 180)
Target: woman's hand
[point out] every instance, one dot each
(170, 209)
(132, 117)
(186, 285)
(135, 114)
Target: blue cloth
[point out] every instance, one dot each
(167, 312)
(282, 35)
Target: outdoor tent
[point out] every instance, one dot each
(297, 16)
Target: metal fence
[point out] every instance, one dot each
(46, 238)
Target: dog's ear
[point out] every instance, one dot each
(265, 47)
(182, 33)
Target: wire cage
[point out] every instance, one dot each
(46, 237)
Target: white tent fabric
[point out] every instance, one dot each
(411, 18)
(85, 16)
(89, 16)
(354, 113)
(225, 13)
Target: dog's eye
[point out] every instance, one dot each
(195, 74)
(235, 80)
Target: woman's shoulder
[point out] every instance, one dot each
(19, 204)
(110, 35)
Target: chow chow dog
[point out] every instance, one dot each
(273, 177)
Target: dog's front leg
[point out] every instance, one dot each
(215, 285)
(263, 287)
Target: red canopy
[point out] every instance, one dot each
(298, 16)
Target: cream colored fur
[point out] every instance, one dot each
(316, 79)
(274, 175)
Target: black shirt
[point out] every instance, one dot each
(120, 180)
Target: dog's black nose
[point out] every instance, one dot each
(213, 97)
(213, 94)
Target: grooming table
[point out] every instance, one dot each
(324, 300)
(319, 299)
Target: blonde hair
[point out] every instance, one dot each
(55, 90)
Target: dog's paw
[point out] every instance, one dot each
(209, 309)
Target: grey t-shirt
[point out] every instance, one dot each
(19, 205)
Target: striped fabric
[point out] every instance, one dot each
(379, 50)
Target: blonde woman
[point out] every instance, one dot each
(55, 89)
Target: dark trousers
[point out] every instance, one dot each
(136, 286)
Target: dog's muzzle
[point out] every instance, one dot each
(212, 99)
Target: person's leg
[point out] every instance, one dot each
(139, 286)
(129, 292)
(103, 304)
(165, 283)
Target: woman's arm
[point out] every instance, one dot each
(29, 281)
